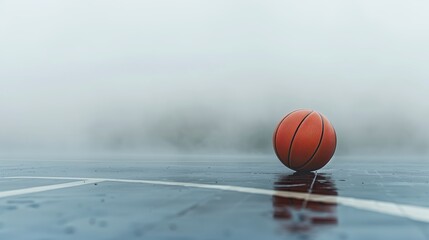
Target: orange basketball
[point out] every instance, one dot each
(304, 140)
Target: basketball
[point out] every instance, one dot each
(304, 140)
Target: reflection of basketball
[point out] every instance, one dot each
(300, 215)
(304, 140)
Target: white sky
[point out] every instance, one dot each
(77, 74)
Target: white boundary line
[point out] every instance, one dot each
(416, 213)
(23, 191)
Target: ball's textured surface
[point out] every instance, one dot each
(304, 140)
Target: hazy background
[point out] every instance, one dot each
(211, 76)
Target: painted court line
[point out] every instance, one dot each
(23, 191)
(416, 213)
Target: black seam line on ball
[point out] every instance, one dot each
(335, 134)
(318, 146)
(293, 137)
(277, 130)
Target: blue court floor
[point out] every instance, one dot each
(203, 197)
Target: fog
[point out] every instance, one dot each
(211, 76)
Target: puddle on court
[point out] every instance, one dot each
(299, 215)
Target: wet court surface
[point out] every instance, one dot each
(213, 198)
